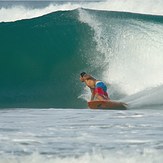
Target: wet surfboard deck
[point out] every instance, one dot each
(108, 105)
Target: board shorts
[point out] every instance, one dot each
(101, 90)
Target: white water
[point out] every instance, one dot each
(80, 135)
(130, 52)
(138, 6)
(20, 12)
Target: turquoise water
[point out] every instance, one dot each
(40, 61)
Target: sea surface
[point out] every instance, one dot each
(44, 46)
(81, 135)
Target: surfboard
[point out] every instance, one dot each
(110, 105)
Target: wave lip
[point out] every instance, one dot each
(21, 11)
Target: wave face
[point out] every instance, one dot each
(41, 58)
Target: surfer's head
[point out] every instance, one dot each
(82, 75)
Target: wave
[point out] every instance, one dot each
(41, 58)
(18, 10)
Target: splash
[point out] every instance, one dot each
(129, 51)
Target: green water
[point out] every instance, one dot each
(41, 60)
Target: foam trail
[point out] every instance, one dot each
(146, 98)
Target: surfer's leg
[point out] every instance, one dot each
(100, 94)
(101, 97)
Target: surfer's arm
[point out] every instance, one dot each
(92, 95)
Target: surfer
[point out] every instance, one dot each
(97, 87)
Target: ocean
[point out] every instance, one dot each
(80, 135)
(45, 45)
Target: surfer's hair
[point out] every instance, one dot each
(82, 74)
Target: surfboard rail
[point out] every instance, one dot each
(111, 105)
